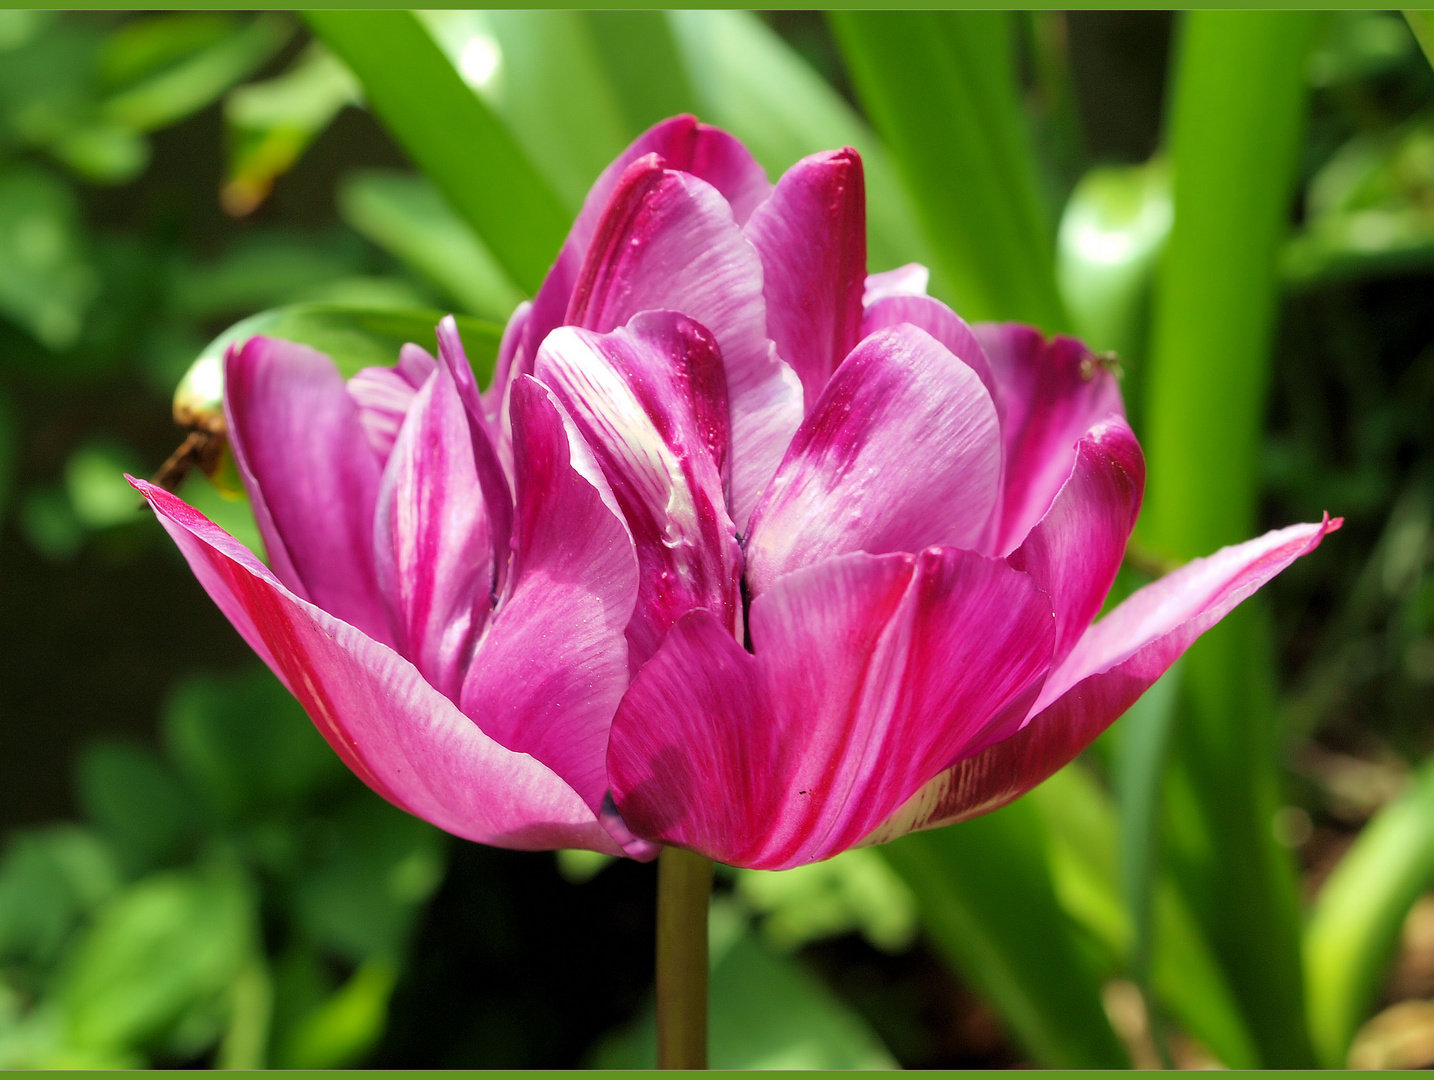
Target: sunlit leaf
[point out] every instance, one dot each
(352, 337)
(154, 952)
(48, 879)
(986, 900)
(94, 480)
(540, 71)
(1236, 122)
(1355, 924)
(403, 214)
(347, 1024)
(198, 79)
(639, 53)
(46, 281)
(271, 123)
(942, 89)
(452, 135)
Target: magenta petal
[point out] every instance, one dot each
(432, 546)
(870, 673)
(1115, 662)
(669, 243)
(399, 735)
(708, 153)
(811, 235)
(908, 280)
(1076, 549)
(902, 451)
(383, 395)
(651, 401)
(940, 322)
(492, 478)
(1052, 393)
(552, 666)
(311, 474)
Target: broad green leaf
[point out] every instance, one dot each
(749, 81)
(271, 123)
(1087, 869)
(765, 1012)
(353, 337)
(378, 866)
(1111, 236)
(404, 214)
(984, 891)
(264, 270)
(540, 71)
(640, 56)
(197, 80)
(1368, 209)
(1237, 116)
(46, 280)
(1358, 45)
(1422, 23)
(1357, 916)
(155, 951)
(251, 1006)
(94, 480)
(143, 47)
(347, 1024)
(942, 89)
(137, 804)
(452, 135)
(244, 744)
(48, 879)
(857, 890)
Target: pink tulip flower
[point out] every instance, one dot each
(744, 551)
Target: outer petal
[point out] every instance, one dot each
(902, 451)
(909, 280)
(432, 547)
(869, 674)
(1116, 661)
(708, 153)
(650, 399)
(403, 738)
(811, 235)
(1076, 550)
(668, 242)
(552, 666)
(1052, 393)
(311, 475)
(383, 395)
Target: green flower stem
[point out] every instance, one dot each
(684, 890)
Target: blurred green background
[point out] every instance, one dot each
(1239, 206)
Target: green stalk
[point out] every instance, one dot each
(684, 890)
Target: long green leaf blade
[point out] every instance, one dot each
(1237, 118)
(984, 891)
(452, 136)
(941, 88)
(1355, 924)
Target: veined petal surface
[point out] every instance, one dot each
(651, 401)
(552, 666)
(398, 734)
(811, 235)
(869, 673)
(1075, 551)
(1052, 392)
(707, 153)
(902, 451)
(668, 241)
(432, 545)
(311, 474)
(1116, 661)
(383, 395)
